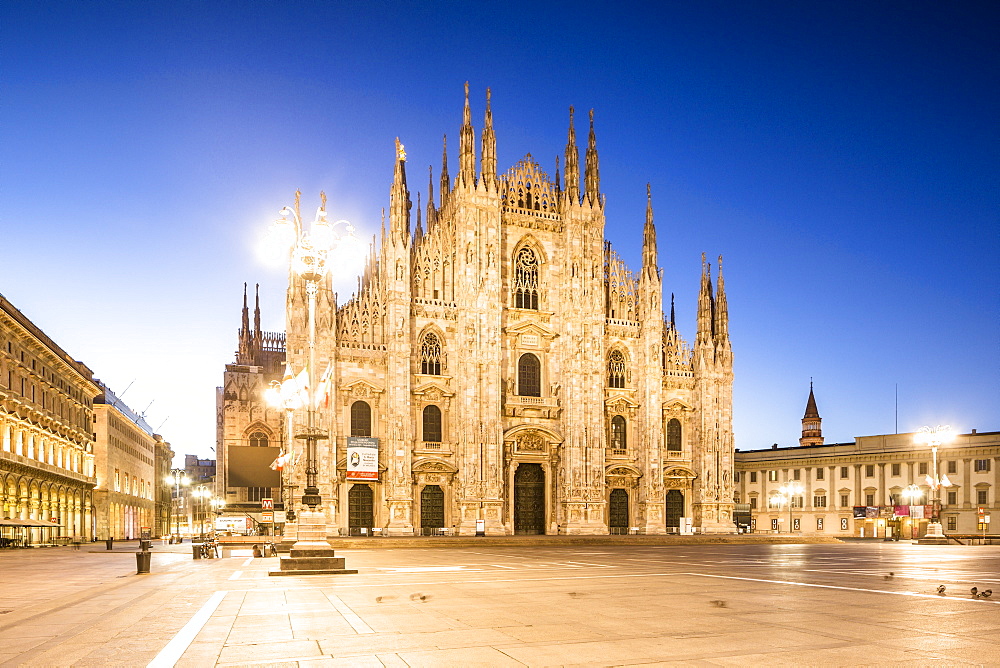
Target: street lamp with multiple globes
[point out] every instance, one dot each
(309, 253)
(935, 437)
(287, 395)
(203, 494)
(178, 478)
(910, 494)
(790, 491)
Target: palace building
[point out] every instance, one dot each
(512, 372)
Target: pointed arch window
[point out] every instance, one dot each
(432, 424)
(526, 279)
(361, 419)
(616, 369)
(529, 376)
(258, 439)
(674, 435)
(430, 354)
(619, 437)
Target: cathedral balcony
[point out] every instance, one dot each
(674, 455)
(432, 448)
(544, 407)
(616, 453)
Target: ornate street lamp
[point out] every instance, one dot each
(790, 491)
(287, 395)
(935, 437)
(178, 478)
(309, 253)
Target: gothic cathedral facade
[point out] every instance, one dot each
(518, 377)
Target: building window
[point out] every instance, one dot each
(797, 502)
(895, 469)
(796, 474)
(843, 472)
(616, 369)
(432, 424)
(952, 498)
(753, 503)
(981, 497)
(258, 439)
(952, 466)
(819, 501)
(430, 355)
(736, 476)
(869, 470)
(772, 476)
(619, 441)
(258, 493)
(526, 279)
(820, 472)
(361, 419)
(753, 476)
(529, 376)
(869, 500)
(844, 501)
(952, 523)
(981, 466)
(922, 468)
(819, 524)
(674, 440)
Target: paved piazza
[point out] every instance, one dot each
(871, 603)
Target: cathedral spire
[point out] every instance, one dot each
(649, 235)
(419, 234)
(673, 315)
(720, 327)
(466, 149)
(592, 177)
(246, 310)
(431, 211)
(488, 168)
(445, 179)
(558, 185)
(572, 164)
(256, 310)
(812, 423)
(706, 306)
(399, 200)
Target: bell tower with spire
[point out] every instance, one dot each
(812, 423)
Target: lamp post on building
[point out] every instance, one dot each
(935, 437)
(203, 494)
(910, 494)
(790, 491)
(287, 395)
(178, 478)
(309, 253)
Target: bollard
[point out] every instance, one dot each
(109, 543)
(196, 550)
(142, 560)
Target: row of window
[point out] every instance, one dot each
(978, 466)
(819, 500)
(432, 430)
(529, 367)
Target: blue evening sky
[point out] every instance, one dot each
(842, 156)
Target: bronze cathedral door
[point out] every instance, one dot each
(529, 499)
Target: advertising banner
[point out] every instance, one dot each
(902, 511)
(859, 512)
(362, 458)
(917, 512)
(234, 524)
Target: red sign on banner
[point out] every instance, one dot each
(267, 504)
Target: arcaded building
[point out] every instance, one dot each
(125, 455)
(46, 435)
(511, 368)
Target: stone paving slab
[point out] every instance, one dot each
(510, 606)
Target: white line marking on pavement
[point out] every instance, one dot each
(822, 586)
(248, 561)
(174, 649)
(502, 566)
(236, 575)
(350, 616)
